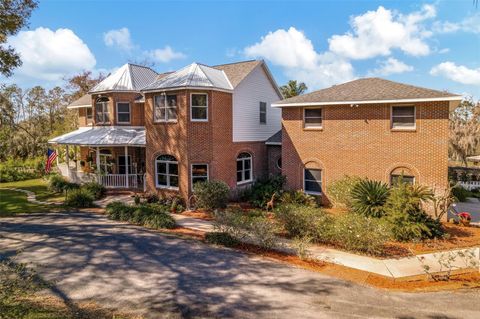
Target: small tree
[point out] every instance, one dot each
(292, 88)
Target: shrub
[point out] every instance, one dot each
(408, 220)
(151, 198)
(211, 194)
(149, 215)
(14, 170)
(97, 190)
(231, 221)
(461, 194)
(221, 238)
(368, 198)
(57, 183)
(360, 233)
(262, 232)
(136, 199)
(79, 198)
(301, 221)
(297, 197)
(174, 203)
(340, 191)
(262, 190)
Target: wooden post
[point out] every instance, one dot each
(126, 166)
(97, 160)
(67, 158)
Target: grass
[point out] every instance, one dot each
(12, 202)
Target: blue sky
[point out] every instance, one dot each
(432, 44)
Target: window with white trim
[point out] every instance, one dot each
(312, 117)
(312, 181)
(123, 112)
(244, 168)
(199, 107)
(199, 173)
(403, 117)
(166, 171)
(263, 113)
(122, 165)
(165, 108)
(101, 109)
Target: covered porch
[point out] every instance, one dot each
(112, 156)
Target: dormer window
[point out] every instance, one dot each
(101, 109)
(123, 113)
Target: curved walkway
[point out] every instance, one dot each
(88, 257)
(31, 197)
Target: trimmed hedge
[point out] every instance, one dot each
(148, 215)
(81, 198)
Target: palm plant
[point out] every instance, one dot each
(369, 197)
(292, 88)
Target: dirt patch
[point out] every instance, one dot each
(197, 234)
(199, 214)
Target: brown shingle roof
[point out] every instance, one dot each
(367, 89)
(84, 101)
(236, 72)
(275, 139)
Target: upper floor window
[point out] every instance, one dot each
(166, 171)
(123, 112)
(312, 182)
(312, 117)
(89, 115)
(403, 117)
(101, 109)
(263, 113)
(165, 108)
(199, 107)
(244, 168)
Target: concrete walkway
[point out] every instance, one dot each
(31, 197)
(129, 268)
(393, 268)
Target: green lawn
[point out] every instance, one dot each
(12, 202)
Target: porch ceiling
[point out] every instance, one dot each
(103, 136)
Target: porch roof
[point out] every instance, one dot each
(103, 136)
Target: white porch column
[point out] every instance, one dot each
(97, 160)
(126, 166)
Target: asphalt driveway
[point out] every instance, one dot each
(121, 266)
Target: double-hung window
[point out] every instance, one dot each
(403, 117)
(244, 168)
(199, 107)
(312, 118)
(263, 113)
(199, 173)
(101, 109)
(123, 112)
(166, 171)
(312, 181)
(123, 165)
(165, 108)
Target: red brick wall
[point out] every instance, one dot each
(198, 142)
(359, 141)
(274, 152)
(137, 117)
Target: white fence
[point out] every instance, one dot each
(120, 181)
(470, 185)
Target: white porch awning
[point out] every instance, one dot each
(103, 136)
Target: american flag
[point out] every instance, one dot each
(51, 156)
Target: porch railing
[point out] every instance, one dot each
(470, 185)
(119, 180)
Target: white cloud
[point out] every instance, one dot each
(164, 55)
(377, 33)
(294, 52)
(118, 38)
(470, 24)
(457, 73)
(444, 50)
(391, 66)
(50, 55)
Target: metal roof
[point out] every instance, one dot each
(103, 136)
(84, 101)
(275, 139)
(129, 77)
(194, 75)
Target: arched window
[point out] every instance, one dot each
(244, 168)
(279, 162)
(402, 174)
(166, 171)
(101, 110)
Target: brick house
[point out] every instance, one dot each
(164, 132)
(368, 127)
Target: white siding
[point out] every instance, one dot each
(255, 88)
